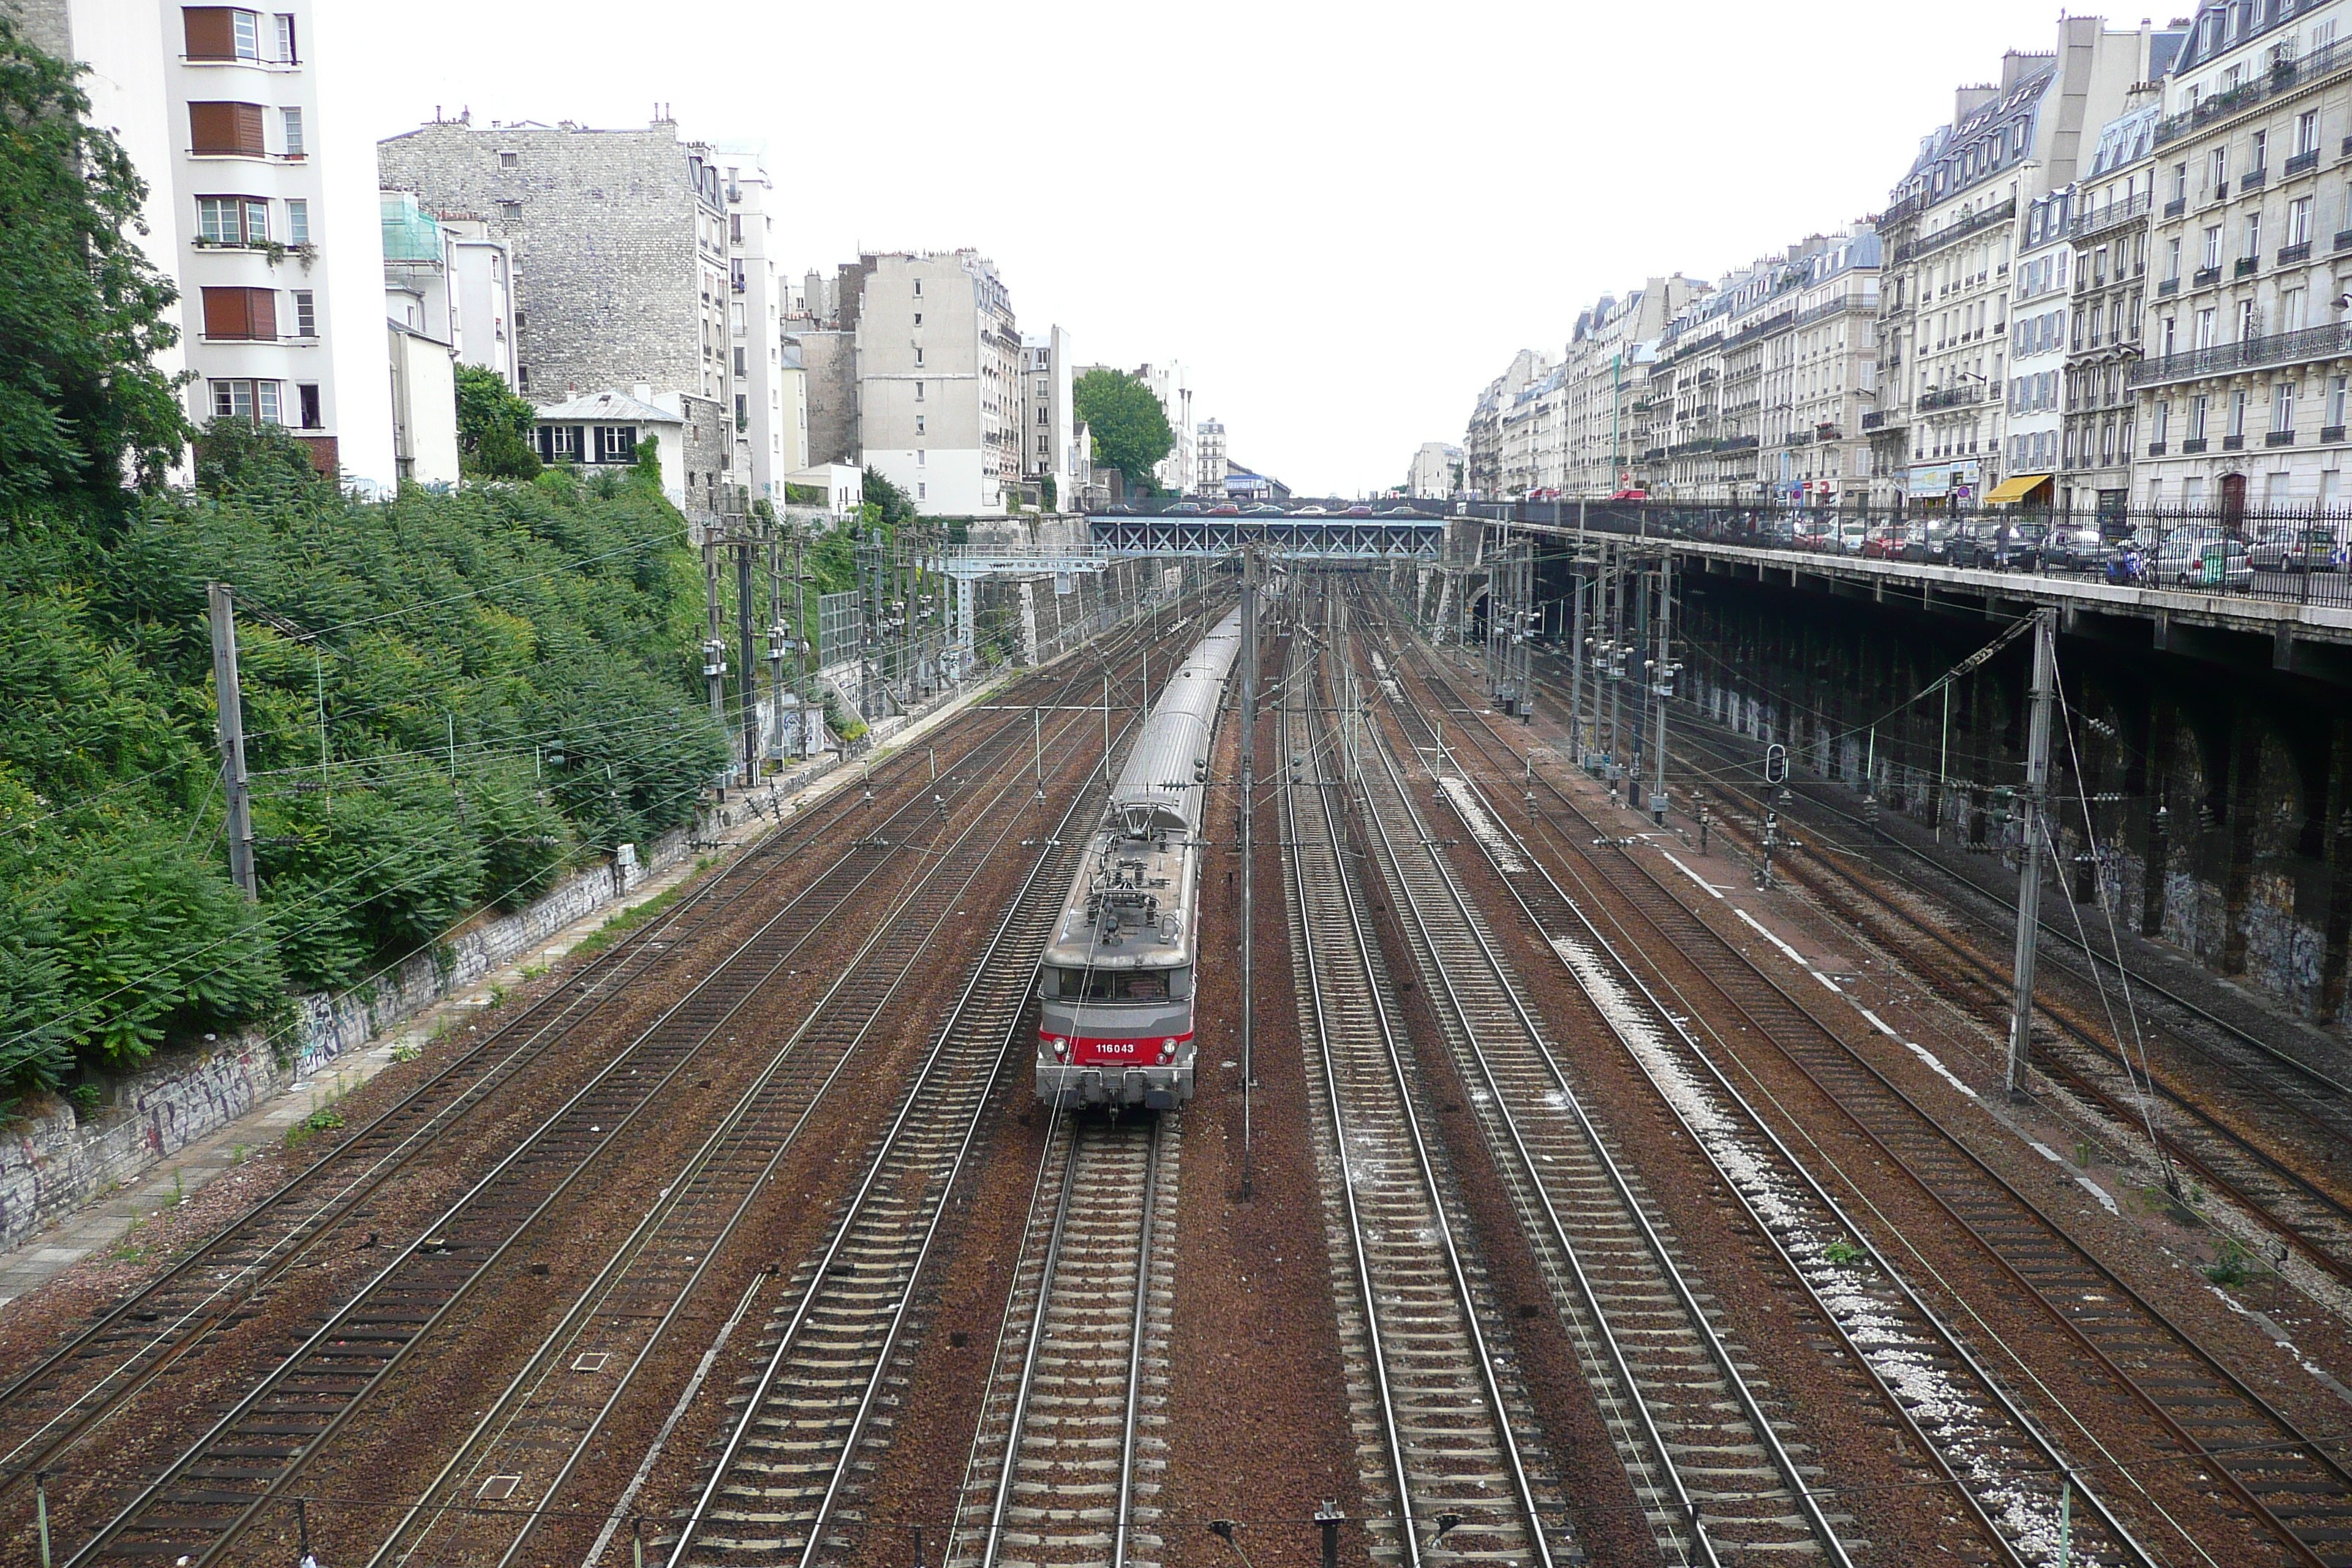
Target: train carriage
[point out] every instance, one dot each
(1116, 983)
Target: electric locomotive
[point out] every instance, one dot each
(1116, 981)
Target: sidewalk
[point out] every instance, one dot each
(739, 820)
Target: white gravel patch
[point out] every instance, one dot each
(1909, 1363)
(1499, 844)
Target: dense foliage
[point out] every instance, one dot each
(1130, 428)
(448, 698)
(82, 315)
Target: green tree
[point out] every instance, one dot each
(892, 505)
(1129, 427)
(82, 314)
(494, 427)
(250, 457)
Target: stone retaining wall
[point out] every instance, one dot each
(51, 1159)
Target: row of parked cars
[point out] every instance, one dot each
(2189, 554)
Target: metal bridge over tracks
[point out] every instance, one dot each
(1293, 538)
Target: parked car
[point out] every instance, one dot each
(2202, 561)
(1851, 537)
(2075, 547)
(1883, 543)
(1261, 509)
(1994, 543)
(1815, 535)
(1359, 509)
(1187, 509)
(1224, 509)
(1312, 512)
(2275, 548)
(1929, 544)
(1402, 511)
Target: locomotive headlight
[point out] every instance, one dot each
(1167, 1052)
(1061, 1046)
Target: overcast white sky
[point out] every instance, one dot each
(1344, 220)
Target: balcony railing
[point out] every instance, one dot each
(2000, 212)
(2333, 342)
(2087, 224)
(1872, 420)
(2176, 207)
(2279, 439)
(2169, 286)
(2301, 162)
(2233, 442)
(2253, 180)
(2247, 266)
(1949, 397)
(2205, 276)
(2290, 253)
(2194, 445)
(2282, 78)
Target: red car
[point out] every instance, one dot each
(1359, 509)
(1631, 495)
(1227, 509)
(1883, 544)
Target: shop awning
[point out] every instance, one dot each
(2018, 488)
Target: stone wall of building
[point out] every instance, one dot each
(834, 435)
(603, 226)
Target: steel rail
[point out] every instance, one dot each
(2262, 1410)
(579, 997)
(1138, 1325)
(1482, 1354)
(719, 980)
(1759, 1418)
(723, 1139)
(1941, 1332)
(1025, 1382)
(764, 1381)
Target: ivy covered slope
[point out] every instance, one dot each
(412, 669)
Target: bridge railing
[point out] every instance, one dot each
(2302, 555)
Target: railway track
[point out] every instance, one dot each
(780, 1487)
(2277, 1480)
(1444, 1429)
(1059, 1464)
(203, 1501)
(1727, 1486)
(2258, 1148)
(528, 1445)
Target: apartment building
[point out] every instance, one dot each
(2110, 232)
(1608, 366)
(2241, 391)
(1484, 441)
(758, 295)
(938, 377)
(261, 208)
(2041, 295)
(1830, 377)
(1209, 459)
(1048, 425)
(621, 250)
(1435, 471)
(1952, 231)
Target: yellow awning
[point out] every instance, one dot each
(2018, 488)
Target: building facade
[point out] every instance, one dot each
(621, 255)
(2240, 391)
(1049, 458)
(938, 362)
(1435, 472)
(1209, 459)
(2039, 333)
(261, 208)
(2110, 232)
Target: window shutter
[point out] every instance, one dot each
(261, 310)
(212, 36)
(225, 128)
(226, 315)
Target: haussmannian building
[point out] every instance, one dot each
(2242, 390)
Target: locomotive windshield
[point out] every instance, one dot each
(1119, 984)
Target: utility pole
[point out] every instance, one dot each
(749, 682)
(2029, 871)
(1249, 849)
(776, 640)
(1580, 737)
(714, 647)
(1662, 686)
(231, 697)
